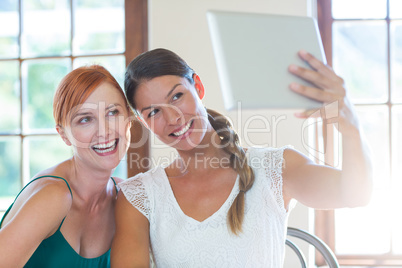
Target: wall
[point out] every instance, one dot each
(180, 25)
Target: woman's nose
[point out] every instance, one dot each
(103, 127)
(172, 115)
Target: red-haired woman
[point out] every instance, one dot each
(65, 216)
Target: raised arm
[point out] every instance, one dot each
(41, 209)
(130, 246)
(322, 186)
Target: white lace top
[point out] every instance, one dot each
(178, 240)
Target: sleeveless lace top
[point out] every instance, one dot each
(178, 240)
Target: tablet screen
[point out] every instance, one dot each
(253, 52)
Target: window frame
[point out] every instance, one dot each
(325, 219)
(136, 42)
(136, 16)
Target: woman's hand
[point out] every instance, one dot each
(320, 186)
(329, 89)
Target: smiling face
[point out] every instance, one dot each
(171, 107)
(99, 128)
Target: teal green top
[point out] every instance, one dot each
(55, 251)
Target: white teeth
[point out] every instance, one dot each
(105, 145)
(184, 130)
(105, 148)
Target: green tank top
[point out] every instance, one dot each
(56, 252)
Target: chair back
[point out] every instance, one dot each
(313, 240)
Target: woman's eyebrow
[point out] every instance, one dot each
(113, 105)
(81, 114)
(167, 96)
(173, 88)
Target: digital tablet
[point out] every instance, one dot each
(253, 52)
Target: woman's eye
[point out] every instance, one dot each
(177, 96)
(153, 112)
(113, 112)
(84, 120)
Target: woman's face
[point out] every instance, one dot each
(99, 129)
(171, 108)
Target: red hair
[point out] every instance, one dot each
(76, 87)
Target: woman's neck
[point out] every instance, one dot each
(90, 185)
(205, 157)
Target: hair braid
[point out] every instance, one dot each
(238, 161)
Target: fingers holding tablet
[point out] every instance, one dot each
(329, 87)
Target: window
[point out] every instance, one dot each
(362, 40)
(43, 41)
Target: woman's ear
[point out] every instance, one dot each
(63, 135)
(199, 86)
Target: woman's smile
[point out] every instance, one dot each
(184, 131)
(104, 149)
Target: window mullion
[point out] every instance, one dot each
(390, 116)
(22, 97)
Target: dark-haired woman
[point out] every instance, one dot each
(219, 204)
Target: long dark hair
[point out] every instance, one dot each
(159, 62)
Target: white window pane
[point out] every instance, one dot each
(116, 65)
(99, 27)
(10, 174)
(40, 79)
(397, 177)
(9, 35)
(395, 9)
(10, 97)
(44, 152)
(354, 225)
(396, 60)
(46, 28)
(360, 57)
(359, 9)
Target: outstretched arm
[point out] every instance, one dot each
(130, 246)
(322, 186)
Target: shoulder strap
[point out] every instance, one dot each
(57, 177)
(69, 188)
(115, 185)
